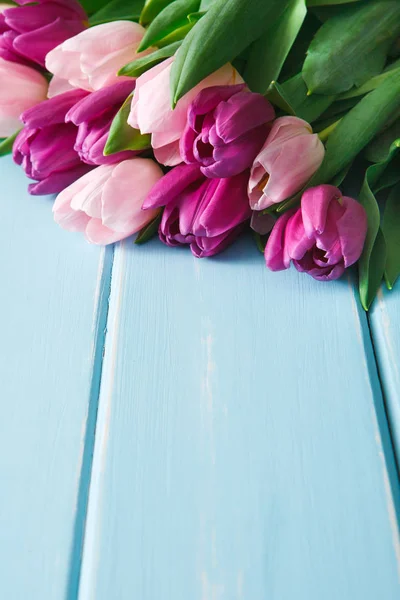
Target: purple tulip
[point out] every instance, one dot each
(93, 116)
(207, 214)
(45, 146)
(28, 33)
(323, 237)
(226, 128)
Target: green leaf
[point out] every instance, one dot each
(391, 231)
(144, 63)
(151, 9)
(371, 84)
(328, 2)
(92, 6)
(6, 145)
(390, 176)
(117, 10)
(291, 97)
(172, 17)
(222, 34)
(351, 47)
(378, 149)
(269, 52)
(373, 258)
(122, 136)
(149, 230)
(358, 127)
(177, 35)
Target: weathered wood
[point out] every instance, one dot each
(241, 446)
(54, 299)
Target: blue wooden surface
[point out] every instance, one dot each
(233, 443)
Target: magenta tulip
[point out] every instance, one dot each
(92, 59)
(29, 31)
(207, 214)
(106, 204)
(226, 128)
(45, 147)
(21, 88)
(322, 238)
(151, 110)
(289, 157)
(93, 116)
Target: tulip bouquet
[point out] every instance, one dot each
(199, 119)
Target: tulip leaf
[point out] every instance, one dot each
(390, 177)
(269, 52)
(140, 65)
(391, 231)
(122, 136)
(291, 97)
(149, 230)
(117, 10)
(371, 84)
(151, 9)
(378, 149)
(220, 36)
(329, 2)
(92, 6)
(356, 129)
(172, 17)
(6, 145)
(352, 46)
(177, 35)
(373, 259)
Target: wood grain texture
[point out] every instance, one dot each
(241, 446)
(54, 299)
(385, 327)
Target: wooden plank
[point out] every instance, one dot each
(385, 326)
(241, 445)
(53, 305)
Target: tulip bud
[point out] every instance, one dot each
(151, 110)
(93, 116)
(289, 157)
(23, 87)
(92, 59)
(45, 147)
(106, 204)
(207, 214)
(226, 128)
(28, 33)
(322, 238)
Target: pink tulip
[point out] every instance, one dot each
(151, 110)
(23, 87)
(106, 203)
(322, 238)
(289, 157)
(91, 59)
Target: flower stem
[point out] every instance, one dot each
(325, 133)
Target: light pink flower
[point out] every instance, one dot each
(151, 110)
(91, 59)
(106, 203)
(23, 87)
(289, 157)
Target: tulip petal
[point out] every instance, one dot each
(275, 256)
(97, 233)
(240, 114)
(172, 185)
(352, 230)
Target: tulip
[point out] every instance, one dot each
(289, 157)
(106, 204)
(21, 89)
(91, 59)
(28, 33)
(207, 214)
(45, 147)
(151, 110)
(93, 116)
(323, 237)
(226, 128)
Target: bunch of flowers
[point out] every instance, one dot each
(199, 119)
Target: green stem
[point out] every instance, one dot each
(325, 133)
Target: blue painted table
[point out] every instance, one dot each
(176, 429)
